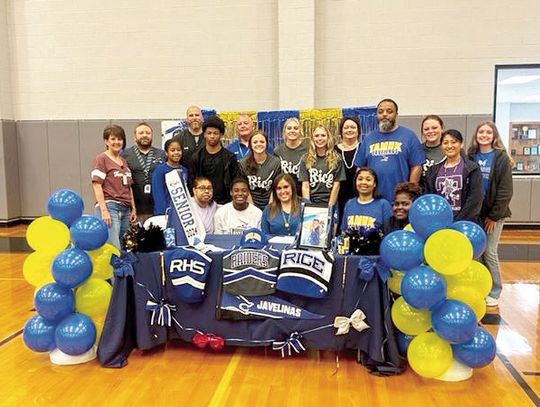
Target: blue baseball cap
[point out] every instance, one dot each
(253, 238)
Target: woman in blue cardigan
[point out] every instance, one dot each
(282, 216)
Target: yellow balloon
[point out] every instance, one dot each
(101, 258)
(37, 269)
(469, 296)
(409, 320)
(429, 355)
(476, 276)
(408, 227)
(448, 251)
(47, 235)
(92, 298)
(394, 282)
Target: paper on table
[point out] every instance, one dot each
(282, 239)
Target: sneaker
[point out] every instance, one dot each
(492, 302)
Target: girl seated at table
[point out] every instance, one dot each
(404, 195)
(160, 193)
(366, 210)
(282, 216)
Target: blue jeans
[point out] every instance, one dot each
(120, 221)
(490, 258)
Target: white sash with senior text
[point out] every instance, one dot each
(189, 221)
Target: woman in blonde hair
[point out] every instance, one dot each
(349, 130)
(487, 150)
(291, 151)
(321, 169)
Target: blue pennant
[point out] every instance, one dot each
(161, 312)
(266, 306)
(123, 266)
(291, 343)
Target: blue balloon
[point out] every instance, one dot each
(422, 287)
(430, 213)
(403, 341)
(475, 233)
(479, 351)
(65, 206)
(54, 302)
(38, 334)
(454, 321)
(89, 232)
(72, 267)
(75, 334)
(402, 250)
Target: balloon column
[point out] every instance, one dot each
(69, 268)
(443, 291)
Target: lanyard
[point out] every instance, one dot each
(241, 152)
(145, 162)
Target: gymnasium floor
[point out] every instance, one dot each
(180, 374)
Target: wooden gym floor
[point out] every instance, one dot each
(180, 374)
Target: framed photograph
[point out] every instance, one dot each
(315, 227)
(519, 166)
(526, 151)
(531, 134)
(534, 150)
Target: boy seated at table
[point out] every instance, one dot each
(238, 215)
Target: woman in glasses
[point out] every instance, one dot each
(203, 202)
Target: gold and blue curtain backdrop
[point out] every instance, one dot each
(310, 119)
(271, 122)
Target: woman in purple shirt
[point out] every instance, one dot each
(456, 178)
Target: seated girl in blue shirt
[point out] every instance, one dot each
(365, 210)
(282, 216)
(404, 195)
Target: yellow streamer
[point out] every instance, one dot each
(230, 119)
(310, 119)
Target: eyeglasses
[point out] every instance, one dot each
(204, 188)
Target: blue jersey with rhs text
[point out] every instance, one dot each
(187, 270)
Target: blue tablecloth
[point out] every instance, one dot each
(128, 326)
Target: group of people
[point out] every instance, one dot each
(371, 182)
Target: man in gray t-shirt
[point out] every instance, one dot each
(321, 179)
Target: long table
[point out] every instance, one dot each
(128, 323)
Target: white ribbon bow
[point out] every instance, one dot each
(343, 324)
